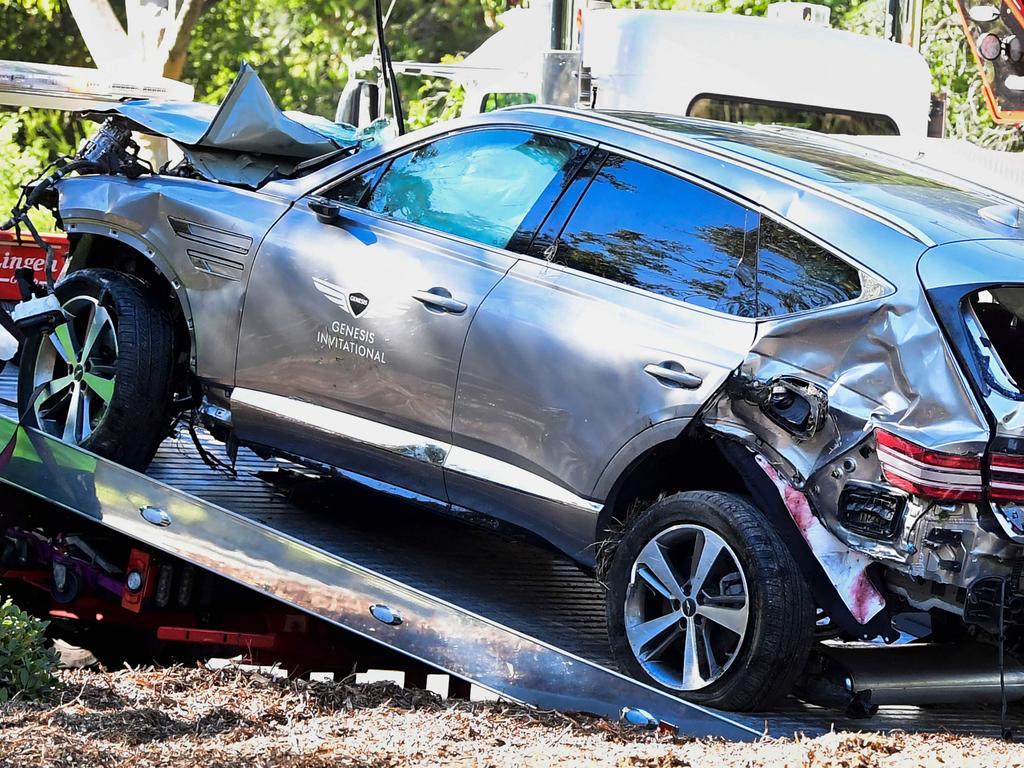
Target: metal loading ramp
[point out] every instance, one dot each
(505, 614)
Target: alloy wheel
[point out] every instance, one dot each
(76, 368)
(687, 607)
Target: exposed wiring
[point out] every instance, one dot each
(110, 150)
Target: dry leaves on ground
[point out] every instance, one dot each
(215, 719)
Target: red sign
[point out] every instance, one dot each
(15, 253)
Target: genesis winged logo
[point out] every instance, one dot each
(352, 303)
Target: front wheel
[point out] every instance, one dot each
(102, 379)
(705, 600)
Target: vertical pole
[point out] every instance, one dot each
(904, 21)
(893, 21)
(559, 25)
(914, 24)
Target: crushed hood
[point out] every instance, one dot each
(245, 140)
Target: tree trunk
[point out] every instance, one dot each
(174, 67)
(157, 38)
(103, 34)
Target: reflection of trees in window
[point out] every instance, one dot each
(740, 294)
(642, 227)
(795, 274)
(613, 173)
(628, 257)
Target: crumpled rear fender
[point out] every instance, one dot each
(201, 236)
(880, 363)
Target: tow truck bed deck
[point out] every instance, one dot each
(459, 578)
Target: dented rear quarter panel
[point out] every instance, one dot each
(203, 237)
(884, 362)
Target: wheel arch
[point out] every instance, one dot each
(717, 464)
(96, 245)
(653, 463)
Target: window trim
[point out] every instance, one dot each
(879, 286)
(388, 157)
(819, 110)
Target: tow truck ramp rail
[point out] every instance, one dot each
(349, 595)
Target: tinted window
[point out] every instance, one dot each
(646, 228)
(756, 112)
(478, 185)
(795, 274)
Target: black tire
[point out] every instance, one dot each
(134, 419)
(765, 663)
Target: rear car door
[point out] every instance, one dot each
(353, 330)
(636, 311)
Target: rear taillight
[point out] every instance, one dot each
(1006, 477)
(923, 472)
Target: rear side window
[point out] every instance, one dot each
(649, 229)
(795, 274)
(479, 185)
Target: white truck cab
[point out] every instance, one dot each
(787, 68)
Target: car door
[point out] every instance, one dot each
(353, 329)
(637, 311)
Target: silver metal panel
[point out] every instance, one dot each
(553, 379)
(982, 263)
(507, 475)
(139, 214)
(393, 360)
(344, 425)
(309, 418)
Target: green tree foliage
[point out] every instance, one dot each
(21, 160)
(27, 662)
(304, 50)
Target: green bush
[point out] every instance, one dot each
(27, 663)
(21, 161)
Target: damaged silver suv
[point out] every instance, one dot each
(765, 383)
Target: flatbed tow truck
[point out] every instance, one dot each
(265, 558)
(514, 619)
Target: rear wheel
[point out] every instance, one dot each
(104, 376)
(705, 600)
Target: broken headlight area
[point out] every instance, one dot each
(875, 500)
(871, 510)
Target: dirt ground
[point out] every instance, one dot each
(215, 719)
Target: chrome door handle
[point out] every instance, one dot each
(678, 376)
(440, 301)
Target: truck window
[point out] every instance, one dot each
(649, 229)
(477, 184)
(795, 274)
(732, 109)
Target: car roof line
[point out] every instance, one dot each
(881, 215)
